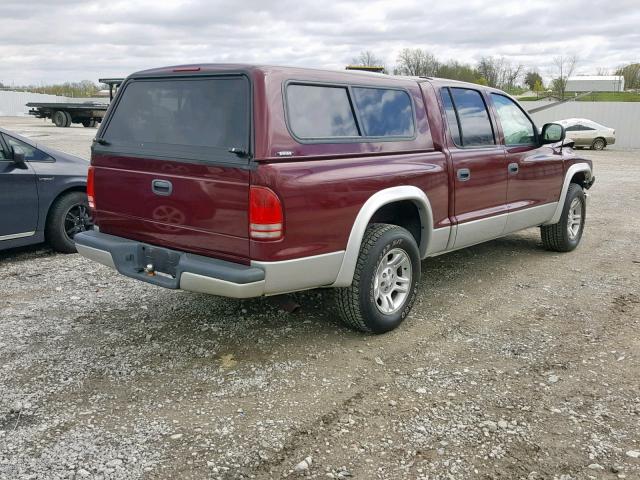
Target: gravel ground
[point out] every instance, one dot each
(516, 363)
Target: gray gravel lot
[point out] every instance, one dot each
(516, 363)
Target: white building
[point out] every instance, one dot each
(595, 83)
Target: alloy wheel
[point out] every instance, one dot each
(392, 281)
(574, 218)
(76, 220)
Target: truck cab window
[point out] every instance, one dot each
(516, 126)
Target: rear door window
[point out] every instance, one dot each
(475, 125)
(320, 112)
(452, 118)
(384, 112)
(199, 118)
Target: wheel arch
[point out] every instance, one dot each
(379, 206)
(576, 173)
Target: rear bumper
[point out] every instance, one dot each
(195, 273)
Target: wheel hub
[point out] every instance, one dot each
(392, 281)
(77, 220)
(574, 218)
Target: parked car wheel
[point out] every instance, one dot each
(565, 235)
(385, 281)
(68, 215)
(59, 118)
(599, 144)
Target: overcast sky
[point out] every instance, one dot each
(47, 41)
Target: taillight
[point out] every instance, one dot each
(90, 189)
(265, 214)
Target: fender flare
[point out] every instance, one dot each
(370, 207)
(573, 169)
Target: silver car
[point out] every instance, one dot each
(587, 133)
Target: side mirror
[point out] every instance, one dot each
(552, 133)
(18, 157)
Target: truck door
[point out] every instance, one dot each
(18, 197)
(479, 167)
(535, 172)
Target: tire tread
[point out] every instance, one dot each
(554, 237)
(53, 233)
(348, 298)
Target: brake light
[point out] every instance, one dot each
(265, 214)
(91, 189)
(187, 69)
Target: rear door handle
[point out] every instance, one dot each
(513, 168)
(161, 187)
(464, 174)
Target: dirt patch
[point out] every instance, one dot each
(516, 363)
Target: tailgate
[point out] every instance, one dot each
(163, 170)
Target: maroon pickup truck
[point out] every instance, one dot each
(244, 180)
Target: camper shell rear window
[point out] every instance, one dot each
(198, 118)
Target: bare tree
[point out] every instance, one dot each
(511, 75)
(416, 62)
(602, 71)
(499, 72)
(564, 68)
(367, 58)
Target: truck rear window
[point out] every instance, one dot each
(197, 118)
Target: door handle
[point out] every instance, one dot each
(161, 187)
(463, 174)
(513, 168)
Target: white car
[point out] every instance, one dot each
(587, 133)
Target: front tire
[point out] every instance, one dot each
(68, 215)
(385, 281)
(565, 235)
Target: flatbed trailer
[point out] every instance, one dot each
(89, 114)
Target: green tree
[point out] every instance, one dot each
(458, 71)
(538, 87)
(631, 74)
(531, 78)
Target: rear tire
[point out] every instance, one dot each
(59, 118)
(385, 281)
(565, 235)
(599, 144)
(68, 215)
(68, 120)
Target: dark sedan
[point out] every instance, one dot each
(42, 194)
